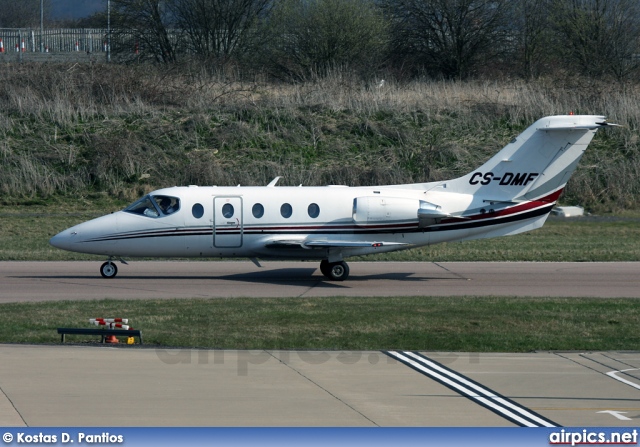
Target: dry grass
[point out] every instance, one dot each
(125, 130)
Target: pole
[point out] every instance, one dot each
(108, 31)
(41, 25)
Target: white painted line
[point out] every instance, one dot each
(616, 414)
(613, 375)
(472, 390)
(487, 392)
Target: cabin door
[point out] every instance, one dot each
(227, 222)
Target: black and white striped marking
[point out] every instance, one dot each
(470, 389)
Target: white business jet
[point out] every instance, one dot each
(511, 193)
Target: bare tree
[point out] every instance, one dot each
(451, 38)
(311, 37)
(533, 38)
(142, 30)
(600, 37)
(219, 29)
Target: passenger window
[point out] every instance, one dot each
(197, 210)
(286, 210)
(227, 210)
(257, 210)
(313, 210)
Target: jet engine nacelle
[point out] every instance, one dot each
(372, 209)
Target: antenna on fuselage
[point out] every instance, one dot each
(273, 182)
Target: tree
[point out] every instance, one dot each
(600, 37)
(310, 37)
(219, 29)
(142, 30)
(533, 38)
(449, 38)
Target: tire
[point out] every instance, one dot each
(338, 271)
(108, 270)
(324, 267)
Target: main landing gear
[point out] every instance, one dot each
(335, 271)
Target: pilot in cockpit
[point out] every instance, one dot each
(166, 206)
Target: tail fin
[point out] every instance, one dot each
(536, 165)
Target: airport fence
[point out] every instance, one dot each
(88, 40)
(72, 44)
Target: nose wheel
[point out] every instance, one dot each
(108, 270)
(335, 271)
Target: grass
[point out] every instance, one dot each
(559, 240)
(466, 324)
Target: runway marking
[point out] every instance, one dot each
(617, 415)
(470, 389)
(613, 375)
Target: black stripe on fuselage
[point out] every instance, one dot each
(352, 229)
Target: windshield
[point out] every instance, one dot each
(154, 206)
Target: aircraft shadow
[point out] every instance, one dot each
(295, 276)
(285, 276)
(288, 276)
(312, 276)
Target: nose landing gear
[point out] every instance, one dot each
(109, 268)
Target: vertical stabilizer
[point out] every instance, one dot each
(535, 164)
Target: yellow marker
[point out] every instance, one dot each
(130, 341)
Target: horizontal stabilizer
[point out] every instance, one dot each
(577, 126)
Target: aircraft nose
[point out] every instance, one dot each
(87, 237)
(64, 239)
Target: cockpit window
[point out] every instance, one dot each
(168, 205)
(144, 207)
(154, 206)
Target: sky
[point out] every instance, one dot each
(75, 9)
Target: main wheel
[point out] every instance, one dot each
(108, 270)
(324, 267)
(338, 271)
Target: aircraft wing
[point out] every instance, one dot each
(315, 244)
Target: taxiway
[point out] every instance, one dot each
(42, 281)
(132, 386)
